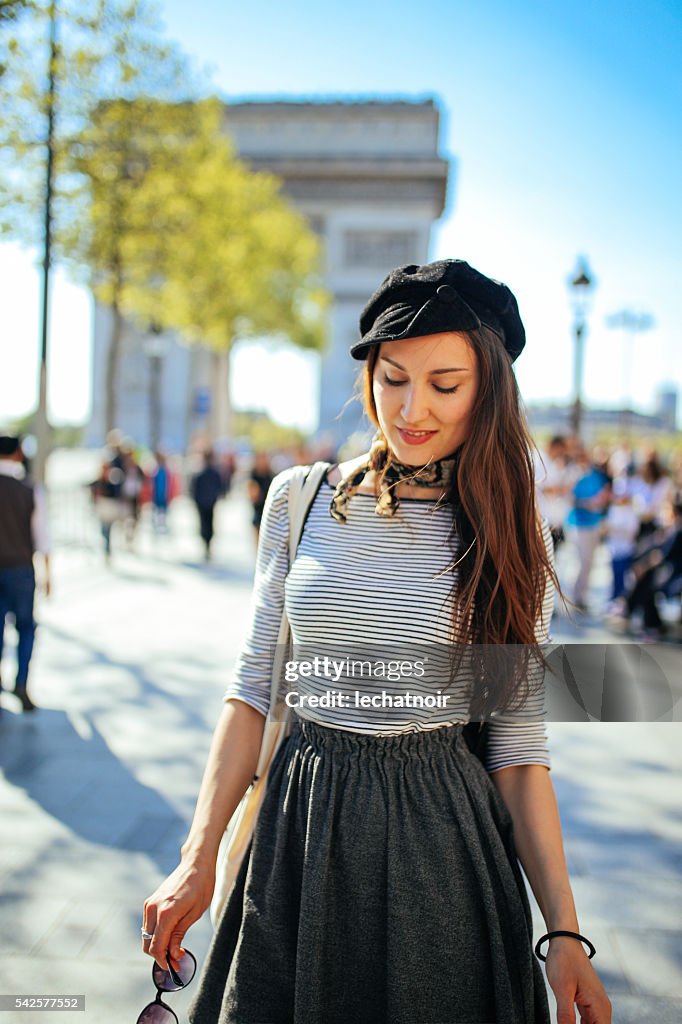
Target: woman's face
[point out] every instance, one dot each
(424, 391)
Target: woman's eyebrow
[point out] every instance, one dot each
(450, 369)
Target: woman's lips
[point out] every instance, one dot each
(416, 437)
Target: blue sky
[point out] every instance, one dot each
(563, 122)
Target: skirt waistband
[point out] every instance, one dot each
(421, 743)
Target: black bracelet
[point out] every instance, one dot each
(572, 935)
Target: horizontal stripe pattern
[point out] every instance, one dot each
(379, 583)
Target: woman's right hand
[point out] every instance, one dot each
(174, 907)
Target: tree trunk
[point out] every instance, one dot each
(113, 360)
(114, 350)
(220, 420)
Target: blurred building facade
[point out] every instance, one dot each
(546, 419)
(667, 406)
(370, 178)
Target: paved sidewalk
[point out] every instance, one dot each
(98, 787)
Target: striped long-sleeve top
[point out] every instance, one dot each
(379, 585)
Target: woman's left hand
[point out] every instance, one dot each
(575, 983)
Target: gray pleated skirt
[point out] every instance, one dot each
(381, 887)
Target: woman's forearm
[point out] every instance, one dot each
(231, 765)
(528, 792)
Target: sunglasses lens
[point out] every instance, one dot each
(155, 1013)
(185, 972)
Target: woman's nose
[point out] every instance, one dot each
(415, 408)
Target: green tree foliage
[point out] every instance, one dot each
(125, 143)
(241, 261)
(105, 48)
(11, 9)
(265, 435)
(152, 209)
(183, 235)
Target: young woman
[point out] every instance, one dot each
(382, 883)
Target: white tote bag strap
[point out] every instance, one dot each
(303, 486)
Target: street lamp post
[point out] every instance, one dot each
(155, 347)
(41, 422)
(581, 285)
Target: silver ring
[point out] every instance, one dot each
(147, 935)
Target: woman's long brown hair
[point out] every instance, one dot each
(501, 565)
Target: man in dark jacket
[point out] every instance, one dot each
(207, 488)
(23, 531)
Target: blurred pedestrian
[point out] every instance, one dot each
(257, 485)
(228, 467)
(105, 491)
(590, 499)
(622, 527)
(652, 490)
(657, 571)
(116, 458)
(554, 481)
(206, 490)
(131, 490)
(23, 533)
(161, 490)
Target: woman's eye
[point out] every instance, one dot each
(442, 391)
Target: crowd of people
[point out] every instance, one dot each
(126, 483)
(631, 502)
(628, 502)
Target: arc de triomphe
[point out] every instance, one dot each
(371, 180)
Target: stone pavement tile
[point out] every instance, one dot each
(635, 901)
(118, 937)
(607, 961)
(76, 928)
(629, 851)
(117, 940)
(47, 796)
(98, 801)
(148, 831)
(653, 960)
(25, 917)
(574, 860)
(82, 871)
(169, 847)
(111, 996)
(23, 826)
(107, 821)
(7, 864)
(646, 1010)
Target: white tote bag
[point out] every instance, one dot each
(303, 486)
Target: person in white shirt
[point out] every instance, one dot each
(555, 476)
(652, 490)
(622, 527)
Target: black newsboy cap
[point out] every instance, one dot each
(447, 295)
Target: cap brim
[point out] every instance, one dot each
(403, 320)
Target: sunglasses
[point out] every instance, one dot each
(168, 981)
